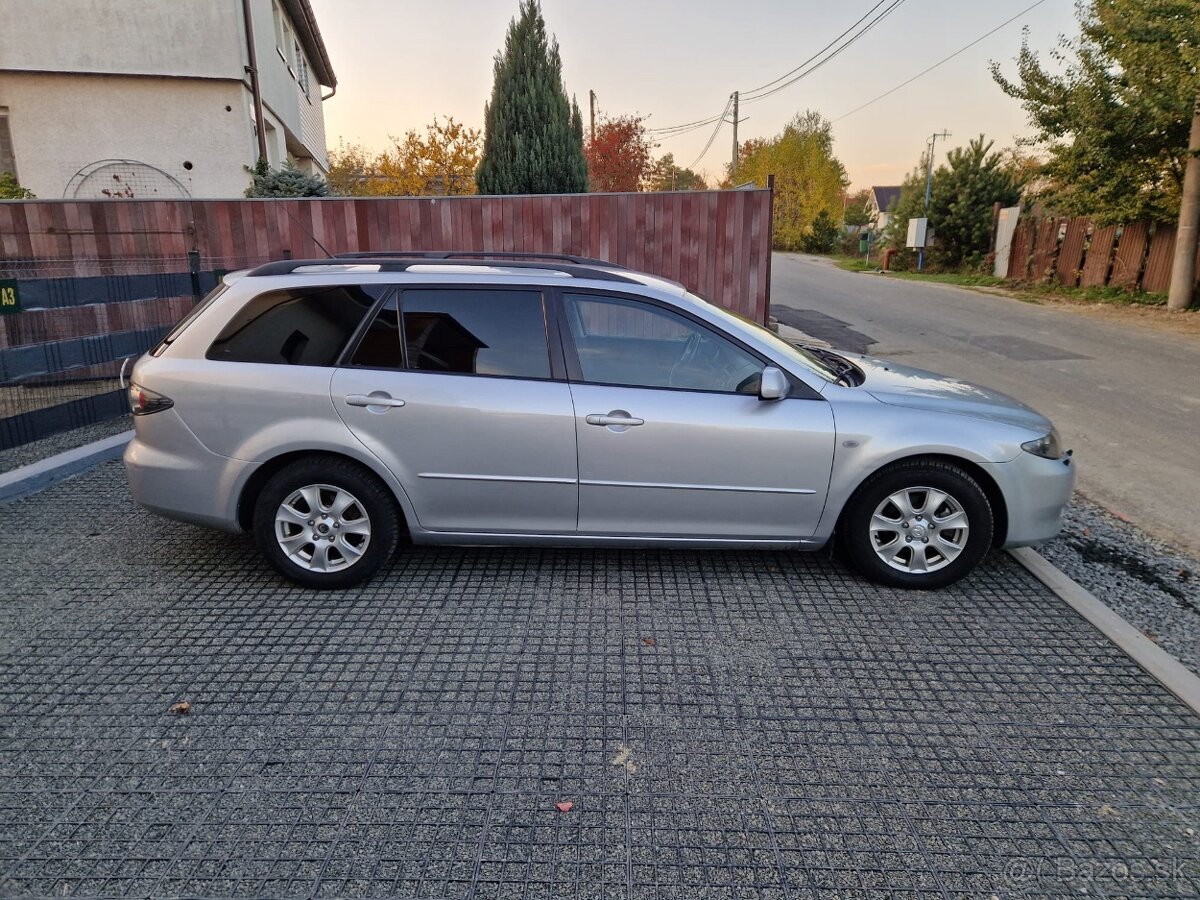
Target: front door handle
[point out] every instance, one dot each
(616, 417)
(376, 398)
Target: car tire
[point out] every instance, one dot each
(326, 522)
(891, 536)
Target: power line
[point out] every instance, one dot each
(673, 130)
(833, 55)
(818, 53)
(942, 61)
(712, 137)
(688, 127)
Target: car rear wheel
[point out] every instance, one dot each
(920, 524)
(325, 522)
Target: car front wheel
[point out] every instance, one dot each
(921, 524)
(325, 522)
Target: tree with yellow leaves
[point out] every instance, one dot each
(441, 163)
(809, 179)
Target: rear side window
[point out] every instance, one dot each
(460, 331)
(475, 332)
(296, 326)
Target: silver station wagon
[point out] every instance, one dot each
(334, 406)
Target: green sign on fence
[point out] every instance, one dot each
(10, 298)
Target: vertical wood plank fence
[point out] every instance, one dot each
(1078, 253)
(100, 281)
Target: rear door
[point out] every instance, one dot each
(454, 389)
(673, 438)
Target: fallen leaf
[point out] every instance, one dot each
(181, 709)
(564, 806)
(650, 642)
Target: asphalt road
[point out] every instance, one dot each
(1127, 399)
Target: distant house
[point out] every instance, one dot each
(878, 202)
(129, 98)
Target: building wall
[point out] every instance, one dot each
(61, 123)
(280, 75)
(180, 37)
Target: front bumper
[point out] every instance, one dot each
(1036, 491)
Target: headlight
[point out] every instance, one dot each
(1047, 446)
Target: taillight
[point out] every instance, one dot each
(143, 401)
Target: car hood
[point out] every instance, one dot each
(900, 385)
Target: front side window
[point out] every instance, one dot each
(628, 343)
(295, 326)
(475, 332)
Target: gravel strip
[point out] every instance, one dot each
(35, 451)
(1152, 584)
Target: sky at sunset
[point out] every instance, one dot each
(400, 64)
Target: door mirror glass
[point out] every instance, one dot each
(774, 384)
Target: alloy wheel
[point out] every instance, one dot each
(919, 529)
(322, 528)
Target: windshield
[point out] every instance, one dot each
(809, 361)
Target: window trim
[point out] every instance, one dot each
(799, 389)
(554, 354)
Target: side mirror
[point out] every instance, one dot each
(773, 384)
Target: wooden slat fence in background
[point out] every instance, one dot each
(1099, 256)
(102, 280)
(1075, 251)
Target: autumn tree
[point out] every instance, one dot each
(440, 162)
(354, 172)
(533, 135)
(808, 177)
(1113, 110)
(665, 175)
(618, 154)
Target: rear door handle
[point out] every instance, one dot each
(610, 419)
(378, 398)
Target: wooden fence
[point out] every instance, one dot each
(98, 281)
(1076, 252)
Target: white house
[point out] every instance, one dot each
(157, 99)
(878, 201)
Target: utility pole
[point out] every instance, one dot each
(733, 165)
(592, 108)
(1183, 270)
(943, 134)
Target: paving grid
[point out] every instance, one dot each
(726, 725)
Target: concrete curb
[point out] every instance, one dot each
(42, 474)
(1159, 664)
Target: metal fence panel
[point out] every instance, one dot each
(102, 280)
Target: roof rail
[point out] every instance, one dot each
(402, 262)
(479, 254)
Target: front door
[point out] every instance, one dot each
(673, 439)
(452, 389)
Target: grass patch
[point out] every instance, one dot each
(1023, 290)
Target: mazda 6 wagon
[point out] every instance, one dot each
(333, 407)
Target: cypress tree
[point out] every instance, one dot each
(533, 135)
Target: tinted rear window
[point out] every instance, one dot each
(296, 326)
(476, 332)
